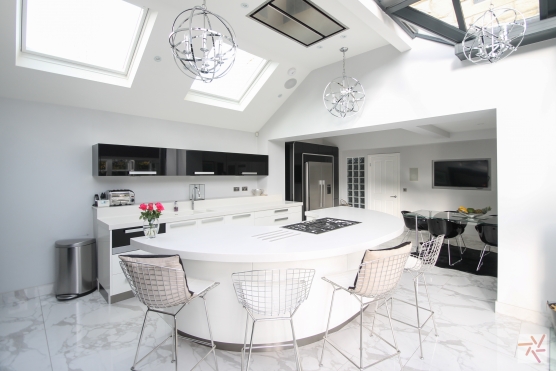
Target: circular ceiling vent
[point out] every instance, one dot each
(290, 83)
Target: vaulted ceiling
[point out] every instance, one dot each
(159, 88)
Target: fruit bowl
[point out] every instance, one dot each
(473, 213)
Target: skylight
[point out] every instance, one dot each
(102, 34)
(236, 83)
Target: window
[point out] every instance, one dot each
(102, 34)
(238, 87)
(237, 81)
(439, 9)
(473, 9)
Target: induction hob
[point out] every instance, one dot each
(321, 225)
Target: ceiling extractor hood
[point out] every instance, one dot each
(299, 20)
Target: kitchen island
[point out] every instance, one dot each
(215, 252)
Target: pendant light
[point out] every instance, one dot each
(494, 35)
(203, 44)
(344, 96)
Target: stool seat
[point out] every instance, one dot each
(413, 264)
(344, 280)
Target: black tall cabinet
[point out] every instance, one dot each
(297, 154)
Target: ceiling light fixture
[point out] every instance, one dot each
(319, 46)
(343, 36)
(200, 50)
(244, 5)
(157, 58)
(344, 96)
(491, 39)
(292, 71)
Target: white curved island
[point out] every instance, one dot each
(215, 252)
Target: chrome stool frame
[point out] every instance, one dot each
(271, 295)
(376, 280)
(417, 265)
(145, 281)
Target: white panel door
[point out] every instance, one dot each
(384, 181)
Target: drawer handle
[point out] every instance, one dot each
(281, 211)
(142, 173)
(279, 219)
(204, 173)
(212, 220)
(249, 173)
(241, 216)
(178, 225)
(134, 230)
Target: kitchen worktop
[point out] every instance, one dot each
(230, 243)
(128, 216)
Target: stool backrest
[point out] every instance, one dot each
(155, 286)
(378, 278)
(273, 292)
(428, 254)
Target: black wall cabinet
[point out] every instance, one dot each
(120, 160)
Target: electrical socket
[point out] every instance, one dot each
(236, 189)
(244, 188)
(405, 189)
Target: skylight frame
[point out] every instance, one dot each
(293, 18)
(131, 56)
(252, 82)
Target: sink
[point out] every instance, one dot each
(188, 212)
(202, 211)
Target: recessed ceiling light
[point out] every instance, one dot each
(290, 83)
(291, 71)
(319, 46)
(244, 5)
(279, 95)
(157, 58)
(343, 36)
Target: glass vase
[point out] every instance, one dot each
(150, 228)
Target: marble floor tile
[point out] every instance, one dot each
(23, 344)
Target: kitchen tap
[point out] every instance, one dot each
(196, 196)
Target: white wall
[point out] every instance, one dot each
(420, 195)
(47, 187)
(429, 81)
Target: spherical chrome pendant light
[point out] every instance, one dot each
(344, 96)
(203, 44)
(494, 35)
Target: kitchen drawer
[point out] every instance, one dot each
(279, 219)
(240, 219)
(116, 269)
(119, 284)
(280, 211)
(181, 226)
(211, 221)
(121, 237)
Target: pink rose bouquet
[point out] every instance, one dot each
(151, 211)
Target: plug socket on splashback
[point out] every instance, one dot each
(244, 189)
(236, 189)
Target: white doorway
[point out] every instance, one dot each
(383, 180)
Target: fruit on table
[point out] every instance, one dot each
(470, 210)
(462, 209)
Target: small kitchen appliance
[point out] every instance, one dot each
(119, 197)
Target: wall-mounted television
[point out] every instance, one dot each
(461, 174)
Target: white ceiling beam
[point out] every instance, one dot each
(429, 130)
(370, 13)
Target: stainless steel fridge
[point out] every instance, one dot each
(319, 186)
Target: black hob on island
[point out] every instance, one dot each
(321, 225)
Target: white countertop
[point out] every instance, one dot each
(169, 216)
(233, 243)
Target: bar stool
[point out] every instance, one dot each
(489, 235)
(375, 280)
(410, 225)
(162, 285)
(450, 230)
(270, 295)
(417, 265)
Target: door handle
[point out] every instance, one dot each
(394, 196)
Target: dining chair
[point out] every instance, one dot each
(450, 230)
(410, 225)
(489, 235)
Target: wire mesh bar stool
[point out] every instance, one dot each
(376, 280)
(164, 290)
(417, 265)
(271, 295)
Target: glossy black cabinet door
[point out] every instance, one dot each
(120, 160)
(205, 163)
(246, 164)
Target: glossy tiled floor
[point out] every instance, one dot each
(86, 334)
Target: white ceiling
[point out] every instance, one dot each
(159, 88)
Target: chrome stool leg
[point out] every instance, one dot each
(393, 335)
(250, 346)
(482, 256)
(430, 305)
(416, 288)
(175, 343)
(327, 327)
(296, 349)
(210, 333)
(139, 343)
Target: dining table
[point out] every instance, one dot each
(453, 216)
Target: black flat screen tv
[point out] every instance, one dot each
(461, 174)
